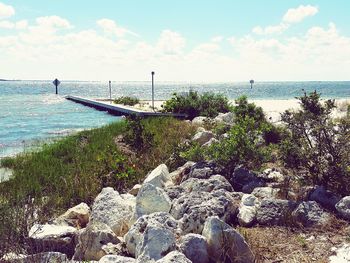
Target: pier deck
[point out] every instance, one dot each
(117, 109)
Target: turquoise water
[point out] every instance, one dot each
(30, 111)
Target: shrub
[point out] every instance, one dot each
(131, 101)
(194, 104)
(136, 135)
(317, 143)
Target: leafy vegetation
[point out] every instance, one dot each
(318, 143)
(131, 101)
(194, 104)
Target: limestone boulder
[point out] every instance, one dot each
(227, 118)
(225, 244)
(151, 199)
(202, 170)
(114, 210)
(265, 192)
(192, 209)
(324, 197)
(245, 181)
(275, 211)
(203, 137)
(340, 254)
(310, 214)
(48, 237)
(247, 210)
(177, 175)
(152, 236)
(174, 257)
(343, 207)
(77, 216)
(195, 248)
(199, 121)
(159, 177)
(273, 175)
(214, 182)
(92, 239)
(116, 259)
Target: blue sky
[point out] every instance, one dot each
(183, 40)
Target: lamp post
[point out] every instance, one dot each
(152, 89)
(110, 91)
(251, 83)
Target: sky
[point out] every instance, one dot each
(181, 40)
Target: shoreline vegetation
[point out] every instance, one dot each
(303, 150)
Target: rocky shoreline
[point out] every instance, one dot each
(191, 214)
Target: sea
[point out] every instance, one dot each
(31, 112)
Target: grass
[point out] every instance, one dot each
(74, 169)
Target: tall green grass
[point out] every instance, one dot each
(59, 175)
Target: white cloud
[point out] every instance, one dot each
(170, 42)
(20, 25)
(53, 22)
(110, 27)
(270, 29)
(6, 11)
(296, 15)
(217, 39)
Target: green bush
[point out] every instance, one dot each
(317, 143)
(207, 104)
(136, 135)
(131, 101)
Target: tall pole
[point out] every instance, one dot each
(56, 84)
(153, 90)
(110, 91)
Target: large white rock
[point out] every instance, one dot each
(247, 215)
(265, 192)
(174, 257)
(203, 137)
(343, 207)
(92, 239)
(77, 216)
(116, 259)
(114, 210)
(227, 118)
(53, 238)
(151, 199)
(310, 213)
(195, 248)
(200, 120)
(159, 177)
(225, 244)
(152, 235)
(342, 254)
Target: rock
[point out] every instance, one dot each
(152, 235)
(133, 191)
(200, 120)
(52, 257)
(174, 191)
(325, 198)
(77, 216)
(265, 192)
(202, 170)
(194, 246)
(115, 249)
(247, 210)
(174, 257)
(210, 143)
(116, 259)
(192, 209)
(112, 209)
(310, 214)
(203, 137)
(227, 118)
(151, 199)
(343, 207)
(92, 239)
(156, 242)
(52, 238)
(273, 175)
(225, 244)
(342, 254)
(275, 211)
(176, 176)
(215, 182)
(159, 177)
(245, 181)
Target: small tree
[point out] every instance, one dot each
(317, 143)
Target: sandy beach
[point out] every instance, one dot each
(272, 107)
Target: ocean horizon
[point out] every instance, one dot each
(31, 112)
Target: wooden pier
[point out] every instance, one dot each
(119, 110)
